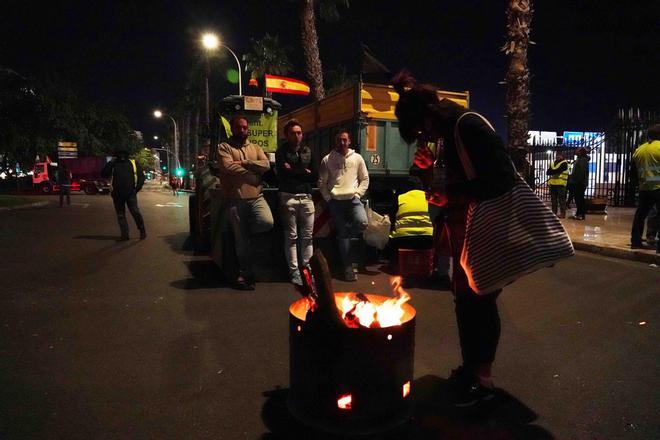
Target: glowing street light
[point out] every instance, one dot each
(211, 42)
(159, 114)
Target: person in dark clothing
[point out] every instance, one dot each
(297, 172)
(579, 180)
(424, 117)
(127, 180)
(64, 178)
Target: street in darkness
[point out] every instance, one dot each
(142, 339)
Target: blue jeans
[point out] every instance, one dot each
(350, 218)
(247, 218)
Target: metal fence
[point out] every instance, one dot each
(610, 157)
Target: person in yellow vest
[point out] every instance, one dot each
(127, 180)
(558, 172)
(413, 228)
(646, 170)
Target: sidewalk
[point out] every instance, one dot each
(608, 234)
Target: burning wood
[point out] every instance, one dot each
(355, 310)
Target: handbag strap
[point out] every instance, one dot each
(470, 173)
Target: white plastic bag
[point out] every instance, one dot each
(377, 233)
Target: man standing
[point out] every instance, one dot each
(64, 182)
(558, 172)
(343, 181)
(579, 179)
(296, 171)
(241, 165)
(127, 180)
(646, 169)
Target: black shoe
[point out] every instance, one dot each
(123, 238)
(641, 246)
(243, 284)
(467, 390)
(143, 235)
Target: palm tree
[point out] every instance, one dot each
(267, 56)
(519, 16)
(329, 11)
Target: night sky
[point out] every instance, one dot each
(590, 57)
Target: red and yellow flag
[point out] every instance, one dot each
(282, 84)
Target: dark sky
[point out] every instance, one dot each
(590, 56)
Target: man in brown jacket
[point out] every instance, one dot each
(241, 165)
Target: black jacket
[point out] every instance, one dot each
(296, 180)
(495, 173)
(123, 177)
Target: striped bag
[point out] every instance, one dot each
(509, 236)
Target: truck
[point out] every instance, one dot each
(366, 110)
(86, 172)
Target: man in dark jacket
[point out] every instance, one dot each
(297, 172)
(127, 180)
(64, 181)
(579, 180)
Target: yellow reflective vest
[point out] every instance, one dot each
(647, 160)
(561, 179)
(412, 217)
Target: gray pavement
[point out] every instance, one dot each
(143, 340)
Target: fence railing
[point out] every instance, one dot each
(610, 157)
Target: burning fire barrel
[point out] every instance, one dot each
(351, 378)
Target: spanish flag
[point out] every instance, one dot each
(281, 84)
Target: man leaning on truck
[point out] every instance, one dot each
(241, 165)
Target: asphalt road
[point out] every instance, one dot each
(141, 339)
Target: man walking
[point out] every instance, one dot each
(241, 165)
(646, 170)
(127, 180)
(296, 171)
(343, 181)
(558, 172)
(64, 178)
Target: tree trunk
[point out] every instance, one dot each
(519, 17)
(310, 43)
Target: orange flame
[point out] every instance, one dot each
(358, 311)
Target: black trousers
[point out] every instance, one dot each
(580, 203)
(65, 191)
(476, 315)
(130, 201)
(646, 201)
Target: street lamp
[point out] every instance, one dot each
(155, 138)
(211, 42)
(158, 114)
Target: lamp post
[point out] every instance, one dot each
(167, 156)
(211, 42)
(158, 114)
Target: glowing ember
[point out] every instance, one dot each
(406, 389)
(344, 402)
(358, 311)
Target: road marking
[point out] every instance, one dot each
(169, 205)
(84, 205)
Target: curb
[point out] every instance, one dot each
(626, 254)
(25, 206)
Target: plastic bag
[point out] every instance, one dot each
(377, 233)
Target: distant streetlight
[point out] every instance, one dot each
(155, 137)
(159, 114)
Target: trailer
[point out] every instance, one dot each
(86, 172)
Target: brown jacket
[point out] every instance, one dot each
(241, 167)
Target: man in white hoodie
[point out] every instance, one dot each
(343, 181)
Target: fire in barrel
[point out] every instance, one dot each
(351, 356)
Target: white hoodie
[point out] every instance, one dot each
(343, 177)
